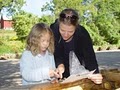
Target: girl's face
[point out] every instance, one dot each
(66, 31)
(44, 42)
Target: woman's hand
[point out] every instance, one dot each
(60, 70)
(96, 78)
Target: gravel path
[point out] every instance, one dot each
(108, 59)
(10, 75)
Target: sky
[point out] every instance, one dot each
(34, 7)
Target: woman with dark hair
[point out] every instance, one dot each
(70, 36)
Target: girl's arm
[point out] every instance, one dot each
(28, 72)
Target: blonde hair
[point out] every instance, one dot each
(69, 16)
(34, 36)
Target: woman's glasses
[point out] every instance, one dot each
(73, 17)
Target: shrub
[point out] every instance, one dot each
(11, 47)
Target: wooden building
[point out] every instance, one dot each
(6, 23)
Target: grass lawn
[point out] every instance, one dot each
(8, 42)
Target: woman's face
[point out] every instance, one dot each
(66, 31)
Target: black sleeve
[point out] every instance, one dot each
(58, 54)
(88, 52)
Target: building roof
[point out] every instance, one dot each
(6, 17)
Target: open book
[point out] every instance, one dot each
(77, 71)
(76, 77)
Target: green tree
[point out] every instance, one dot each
(11, 6)
(48, 19)
(100, 17)
(56, 6)
(85, 10)
(107, 20)
(23, 22)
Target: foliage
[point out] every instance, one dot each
(100, 17)
(9, 45)
(11, 6)
(48, 19)
(23, 22)
(94, 33)
(106, 20)
(7, 34)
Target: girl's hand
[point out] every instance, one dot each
(53, 73)
(96, 78)
(54, 81)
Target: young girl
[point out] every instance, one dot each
(37, 61)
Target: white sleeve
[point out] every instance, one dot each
(53, 62)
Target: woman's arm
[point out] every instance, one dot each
(88, 52)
